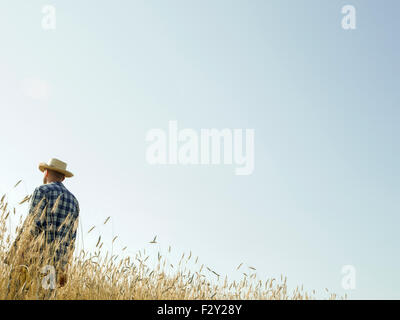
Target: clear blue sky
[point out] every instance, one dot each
(323, 102)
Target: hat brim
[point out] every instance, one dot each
(44, 166)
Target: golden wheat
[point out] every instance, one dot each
(104, 276)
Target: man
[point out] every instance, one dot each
(52, 221)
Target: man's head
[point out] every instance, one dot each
(54, 171)
(52, 176)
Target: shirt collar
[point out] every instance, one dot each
(57, 182)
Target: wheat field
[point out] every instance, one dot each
(100, 275)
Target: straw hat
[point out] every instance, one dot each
(56, 165)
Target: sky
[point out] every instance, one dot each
(320, 99)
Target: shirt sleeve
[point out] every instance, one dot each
(67, 232)
(37, 211)
(68, 246)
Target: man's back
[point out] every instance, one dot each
(55, 211)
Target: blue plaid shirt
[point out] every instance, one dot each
(55, 211)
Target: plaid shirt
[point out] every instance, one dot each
(55, 211)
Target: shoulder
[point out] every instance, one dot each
(46, 188)
(40, 192)
(43, 191)
(38, 197)
(71, 199)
